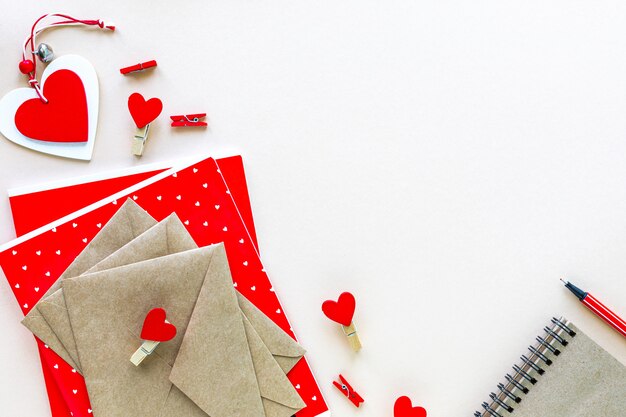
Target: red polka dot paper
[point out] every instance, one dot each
(200, 197)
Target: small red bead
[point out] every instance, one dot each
(27, 66)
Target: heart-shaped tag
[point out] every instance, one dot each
(404, 408)
(142, 111)
(342, 310)
(156, 328)
(66, 125)
(63, 118)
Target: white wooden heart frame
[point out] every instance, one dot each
(14, 98)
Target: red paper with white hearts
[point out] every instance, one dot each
(61, 201)
(201, 198)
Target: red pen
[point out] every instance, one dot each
(598, 308)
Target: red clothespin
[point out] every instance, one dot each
(139, 67)
(188, 120)
(348, 391)
(342, 311)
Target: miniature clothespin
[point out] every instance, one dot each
(156, 329)
(188, 120)
(342, 311)
(143, 113)
(348, 391)
(138, 67)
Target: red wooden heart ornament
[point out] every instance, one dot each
(64, 118)
(155, 327)
(404, 408)
(342, 310)
(142, 111)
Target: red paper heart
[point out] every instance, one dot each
(342, 310)
(64, 118)
(404, 408)
(156, 328)
(142, 111)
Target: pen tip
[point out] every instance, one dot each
(563, 281)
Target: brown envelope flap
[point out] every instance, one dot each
(40, 328)
(126, 224)
(166, 237)
(274, 409)
(277, 341)
(214, 367)
(54, 311)
(273, 382)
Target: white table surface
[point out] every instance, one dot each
(445, 161)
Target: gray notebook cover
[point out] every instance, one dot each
(582, 381)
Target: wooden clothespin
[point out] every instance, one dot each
(146, 348)
(188, 120)
(143, 113)
(138, 67)
(342, 312)
(139, 140)
(156, 329)
(348, 391)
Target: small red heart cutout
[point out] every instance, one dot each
(155, 327)
(64, 118)
(342, 310)
(404, 408)
(142, 111)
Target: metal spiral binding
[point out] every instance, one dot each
(532, 364)
(508, 393)
(526, 373)
(540, 355)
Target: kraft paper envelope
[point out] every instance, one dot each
(169, 236)
(128, 222)
(216, 365)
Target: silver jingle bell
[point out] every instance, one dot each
(44, 52)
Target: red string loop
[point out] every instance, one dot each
(65, 20)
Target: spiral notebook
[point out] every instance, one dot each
(562, 374)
